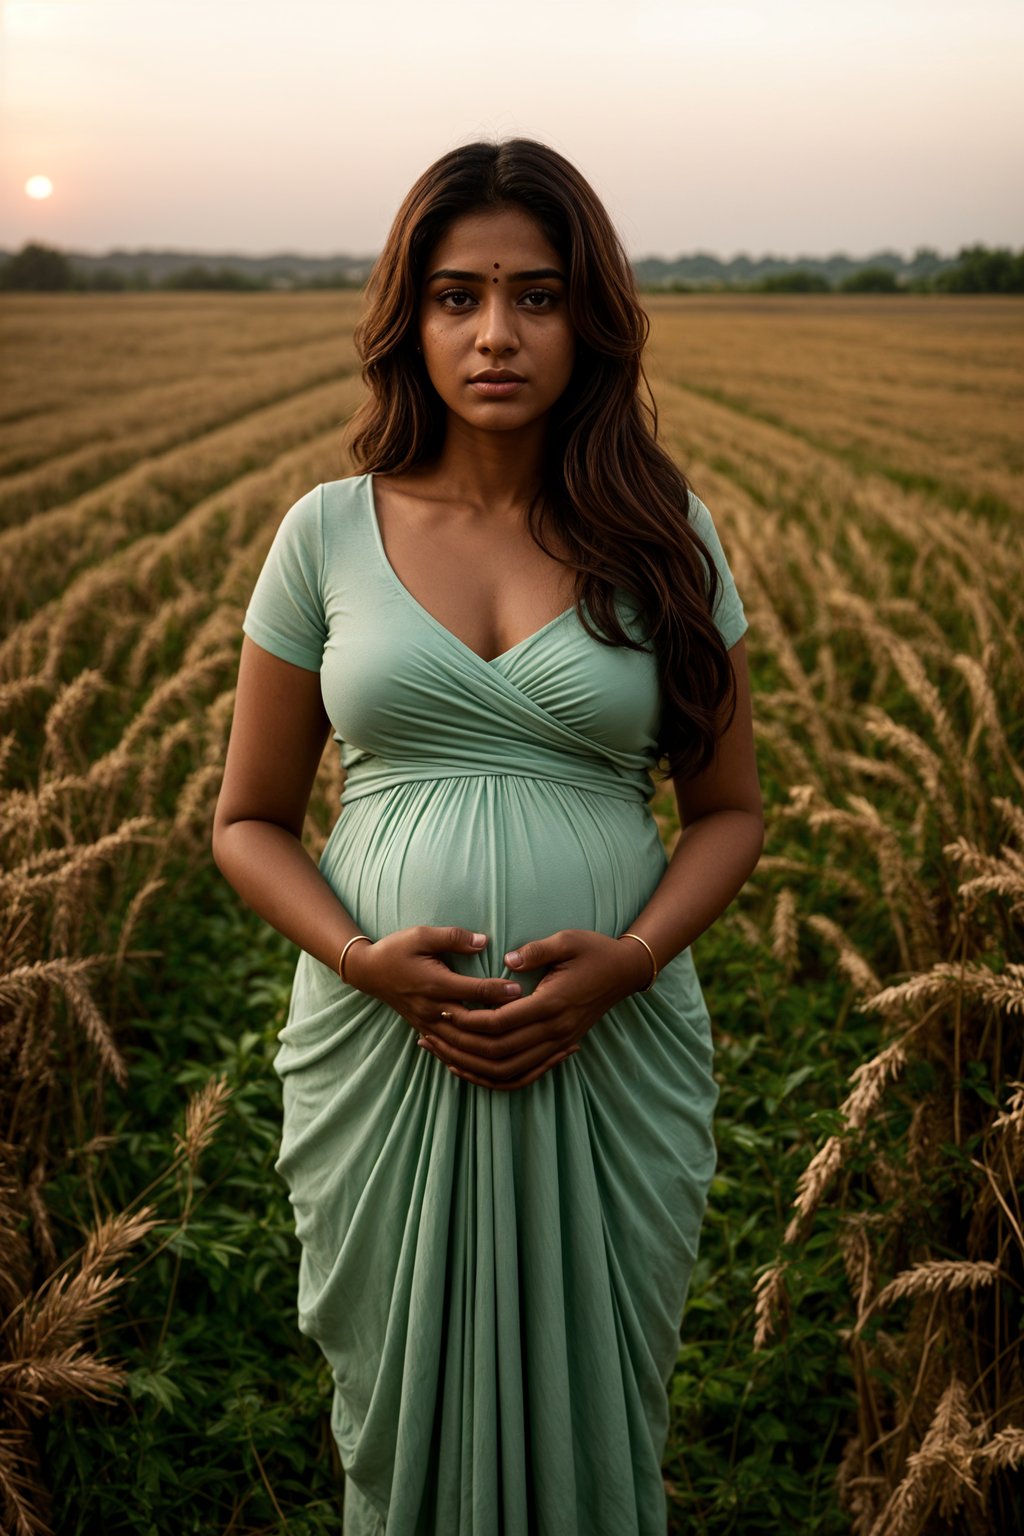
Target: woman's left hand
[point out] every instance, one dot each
(513, 1045)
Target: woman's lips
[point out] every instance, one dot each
(496, 388)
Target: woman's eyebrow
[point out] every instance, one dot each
(514, 277)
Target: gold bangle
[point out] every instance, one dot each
(650, 951)
(353, 940)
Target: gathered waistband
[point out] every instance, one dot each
(372, 776)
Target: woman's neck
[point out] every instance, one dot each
(493, 471)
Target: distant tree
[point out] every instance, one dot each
(38, 269)
(107, 280)
(926, 260)
(870, 280)
(334, 280)
(799, 281)
(981, 270)
(198, 276)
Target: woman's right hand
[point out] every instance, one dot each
(405, 970)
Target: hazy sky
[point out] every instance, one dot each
(792, 127)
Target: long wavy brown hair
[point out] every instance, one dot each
(619, 503)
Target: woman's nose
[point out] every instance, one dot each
(496, 331)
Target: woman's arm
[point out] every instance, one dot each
(718, 849)
(721, 840)
(277, 738)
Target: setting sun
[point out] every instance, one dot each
(39, 186)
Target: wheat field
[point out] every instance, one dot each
(863, 460)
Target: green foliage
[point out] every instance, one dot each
(980, 270)
(108, 280)
(870, 280)
(37, 268)
(976, 269)
(224, 1424)
(198, 276)
(755, 1438)
(792, 282)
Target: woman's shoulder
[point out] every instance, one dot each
(697, 512)
(343, 495)
(325, 519)
(347, 484)
(324, 510)
(703, 524)
(729, 613)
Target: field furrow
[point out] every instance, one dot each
(93, 447)
(929, 396)
(60, 360)
(40, 557)
(210, 550)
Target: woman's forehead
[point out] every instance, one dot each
(502, 235)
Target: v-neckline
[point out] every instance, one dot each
(426, 613)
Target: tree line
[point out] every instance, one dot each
(978, 268)
(44, 269)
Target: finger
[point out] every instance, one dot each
(493, 1053)
(516, 1014)
(527, 957)
(462, 941)
(495, 1059)
(494, 990)
(455, 1030)
(508, 1085)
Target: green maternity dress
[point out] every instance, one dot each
(496, 1278)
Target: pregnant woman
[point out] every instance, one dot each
(497, 1060)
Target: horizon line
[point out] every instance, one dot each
(285, 254)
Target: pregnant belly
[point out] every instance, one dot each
(514, 858)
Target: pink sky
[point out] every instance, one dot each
(267, 125)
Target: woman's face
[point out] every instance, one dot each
(494, 301)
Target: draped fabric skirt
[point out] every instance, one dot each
(497, 1278)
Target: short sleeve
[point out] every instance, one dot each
(286, 610)
(730, 620)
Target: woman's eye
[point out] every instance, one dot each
(544, 296)
(451, 295)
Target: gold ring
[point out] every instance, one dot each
(446, 1015)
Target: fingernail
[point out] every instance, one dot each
(479, 940)
(511, 988)
(426, 1043)
(513, 958)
